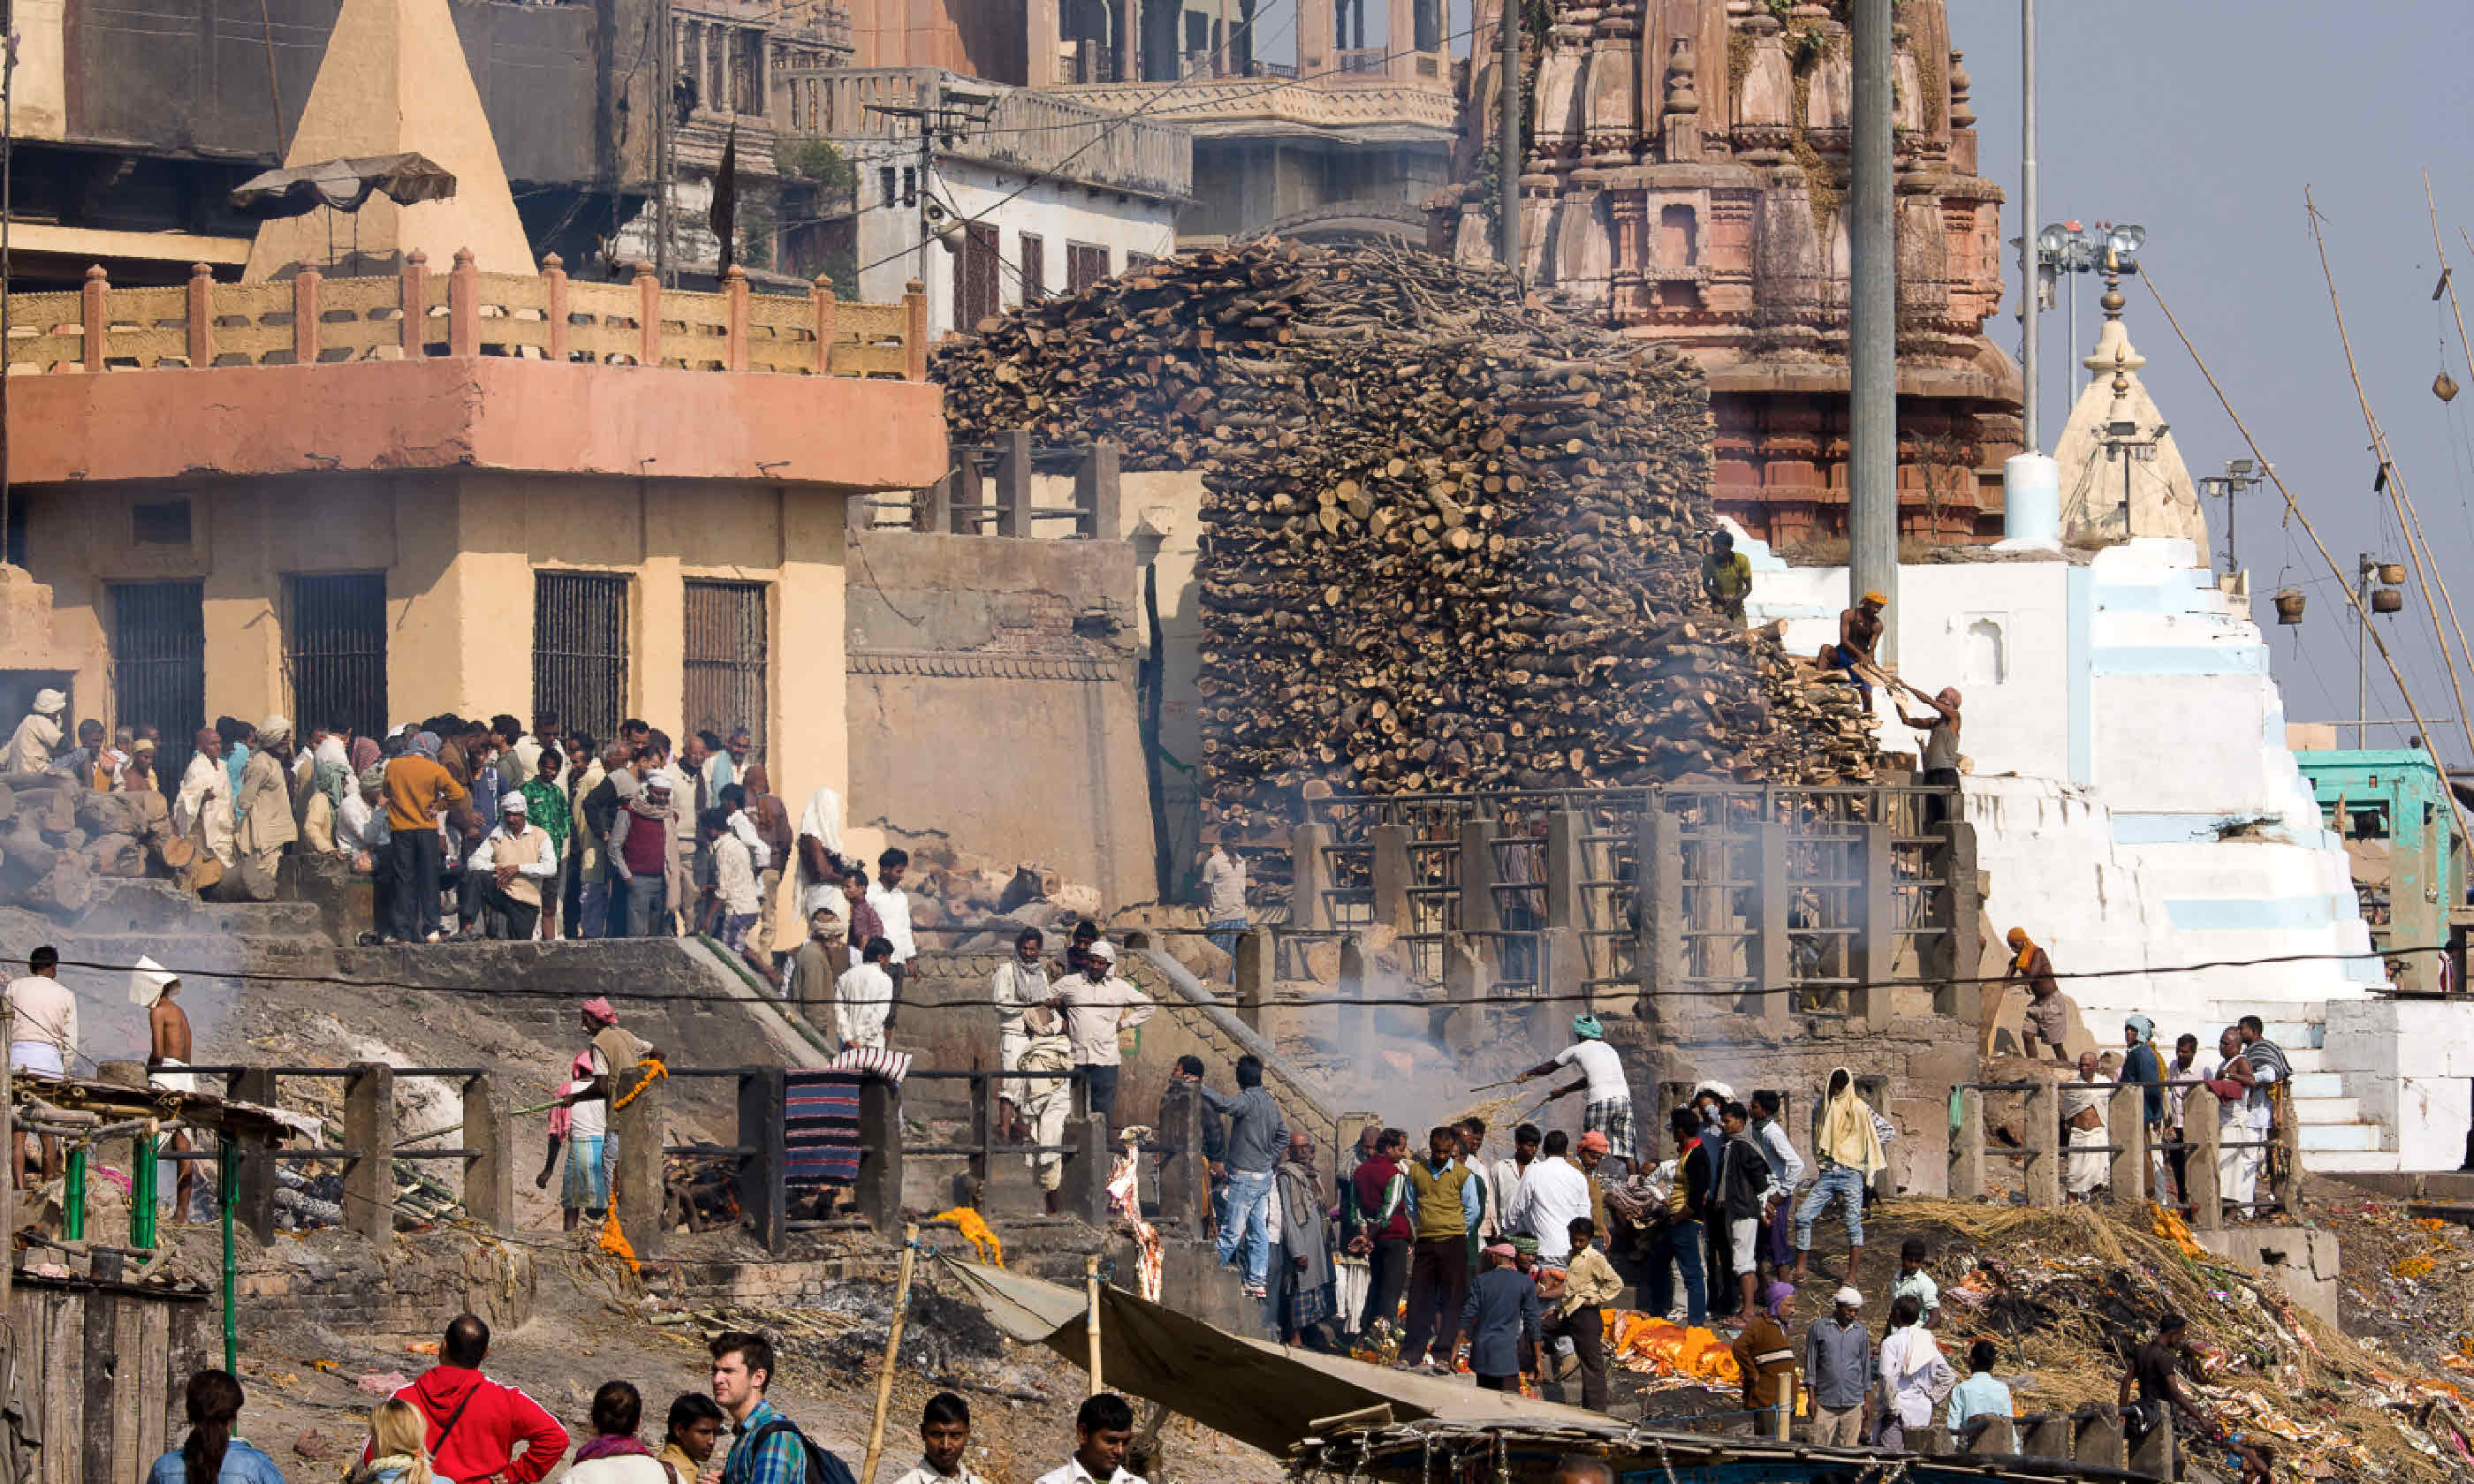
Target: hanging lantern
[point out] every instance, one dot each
(2289, 605)
(2393, 573)
(2444, 387)
(2387, 600)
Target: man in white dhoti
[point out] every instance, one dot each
(2085, 1106)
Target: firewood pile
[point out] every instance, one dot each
(1451, 542)
(56, 840)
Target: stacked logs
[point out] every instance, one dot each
(56, 840)
(1451, 541)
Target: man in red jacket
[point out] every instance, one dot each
(476, 1423)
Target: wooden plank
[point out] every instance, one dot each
(26, 1325)
(159, 1370)
(130, 1375)
(63, 1389)
(96, 1372)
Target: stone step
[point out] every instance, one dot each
(2320, 1137)
(2338, 1161)
(2324, 1112)
(2309, 1086)
(2306, 1059)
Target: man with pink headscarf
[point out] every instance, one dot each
(591, 1153)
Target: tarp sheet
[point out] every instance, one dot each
(1252, 1390)
(343, 185)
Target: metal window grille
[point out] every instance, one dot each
(334, 640)
(580, 648)
(1086, 264)
(725, 657)
(158, 667)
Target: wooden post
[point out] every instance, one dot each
(554, 279)
(2206, 1196)
(93, 316)
(820, 300)
(1391, 873)
(304, 321)
(1096, 494)
(1658, 885)
(1256, 974)
(1014, 482)
(2127, 1117)
(935, 511)
(489, 1170)
(412, 304)
(1091, 1316)
(1967, 1147)
(636, 1185)
(892, 1352)
(986, 1117)
(734, 289)
(201, 317)
(2044, 1137)
(762, 1197)
(648, 315)
(1772, 966)
(253, 1202)
(878, 1188)
(1879, 938)
(1309, 907)
(112, 1333)
(369, 1129)
(914, 333)
(463, 305)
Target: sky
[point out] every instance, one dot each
(2205, 123)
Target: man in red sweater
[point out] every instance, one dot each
(476, 1423)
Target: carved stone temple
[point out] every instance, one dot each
(1686, 167)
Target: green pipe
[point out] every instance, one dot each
(228, 1195)
(73, 1198)
(141, 1194)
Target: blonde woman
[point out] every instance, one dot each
(398, 1452)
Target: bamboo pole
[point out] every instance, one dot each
(2293, 510)
(892, 1353)
(2407, 518)
(2465, 652)
(1090, 1320)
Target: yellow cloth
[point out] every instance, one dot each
(1847, 1134)
(2026, 950)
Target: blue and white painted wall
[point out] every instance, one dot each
(2136, 807)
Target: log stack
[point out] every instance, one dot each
(56, 840)
(1451, 539)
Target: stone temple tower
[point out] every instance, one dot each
(1685, 167)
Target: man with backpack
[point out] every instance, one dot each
(765, 1447)
(474, 1424)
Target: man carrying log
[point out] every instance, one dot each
(2049, 1014)
(1726, 575)
(1940, 759)
(1859, 631)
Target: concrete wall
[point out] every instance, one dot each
(2421, 1077)
(993, 702)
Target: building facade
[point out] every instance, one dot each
(1039, 194)
(1687, 170)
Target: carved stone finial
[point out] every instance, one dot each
(1962, 116)
(1680, 71)
(2112, 301)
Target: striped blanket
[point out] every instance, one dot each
(820, 1114)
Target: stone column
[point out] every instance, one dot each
(1129, 43)
(1400, 28)
(1255, 974)
(489, 1170)
(1879, 939)
(762, 1200)
(2042, 1138)
(1309, 910)
(369, 1129)
(2206, 1197)
(2127, 1117)
(1967, 1147)
(1391, 875)
(1658, 882)
(1315, 20)
(636, 1185)
(878, 1188)
(1768, 962)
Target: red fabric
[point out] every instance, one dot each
(497, 1418)
(647, 846)
(1370, 1180)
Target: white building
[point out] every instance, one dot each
(1040, 194)
(2138, 811)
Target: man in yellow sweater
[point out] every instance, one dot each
(1444, 1208)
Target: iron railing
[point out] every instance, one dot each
(725, 658)
(580, 649)
(334, 649)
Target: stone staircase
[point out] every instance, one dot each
(2335, 1135)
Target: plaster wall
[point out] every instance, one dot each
(993, 702)
(2422, 1063)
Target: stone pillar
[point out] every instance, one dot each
(1959, 910)
(2047, 1436)
(636, 1185)
(489, 1170)
(1658, 882)
(254, 1201)
(2043, 1136)
(2206, 1197)
(1967, 1147)
(2127, 1117)
(1309, 873)
(878, 1191)
(1468, 974)
(2098, 1443)
(1997, 1435)
(1085, 1186)
(1043, 39)
(1767, 958)
(2152, 1455)
(369, 1129)
(1186, 1180)
(1014, 482)
(1561, 970)
(1256, 974)
(1400, 32)
(1391, 874)
(1681, 122)
(1129, 44)
(1096, 494)
(1481, 906)
(1354, 1021)
(1878, 938)
(2286, 1185)
(1566, 867)
(762, 1201)
(1314, 37)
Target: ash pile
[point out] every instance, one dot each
(1451, 541)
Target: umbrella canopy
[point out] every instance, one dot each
(343, 185)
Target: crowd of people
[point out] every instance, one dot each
(457, 1426)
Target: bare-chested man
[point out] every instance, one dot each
(1859, 631)
(168, 1061)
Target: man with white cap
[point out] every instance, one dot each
(39, 735)
(263, 803)
(43, 1039)
(502, 878)
(1609, 1110)
(1838, 1367)
(157, 990)
(1098, 1005)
